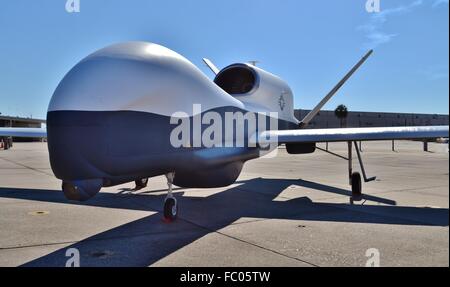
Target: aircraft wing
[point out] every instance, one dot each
(353, 134)
(23, 132)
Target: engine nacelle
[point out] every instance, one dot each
(258, 90)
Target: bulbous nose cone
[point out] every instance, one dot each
(110, 115)
(137, 76)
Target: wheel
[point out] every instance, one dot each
(6, 144)
(141, 183)
(170, 209)
(356, 185)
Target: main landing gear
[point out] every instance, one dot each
(355, 177)
(170, 203)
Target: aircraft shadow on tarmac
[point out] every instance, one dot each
(149, 239)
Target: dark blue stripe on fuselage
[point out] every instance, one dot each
(121, 146)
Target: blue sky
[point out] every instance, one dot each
(310, 44)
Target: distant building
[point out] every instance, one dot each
(327, 119)
(17, 122)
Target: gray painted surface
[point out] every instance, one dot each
(284, 211)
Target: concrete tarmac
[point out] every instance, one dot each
(285, 211)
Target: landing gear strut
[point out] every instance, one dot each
(170, 203)
(355, 177)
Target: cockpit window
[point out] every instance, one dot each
(236, 79)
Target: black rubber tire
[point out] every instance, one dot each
(141, 183)
(356, 185)
(170, 209)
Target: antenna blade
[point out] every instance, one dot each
(210, 65)
(316, 110)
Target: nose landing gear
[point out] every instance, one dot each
(170, 203)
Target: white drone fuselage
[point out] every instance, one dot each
(136, 110)
(108, 121)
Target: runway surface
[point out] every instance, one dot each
(285, 211)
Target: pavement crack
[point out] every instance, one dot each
(94, 239)
(249, 243)
(27, 167)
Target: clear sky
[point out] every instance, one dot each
(310, 44)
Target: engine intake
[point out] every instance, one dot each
(258, 89)
(237, 79)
